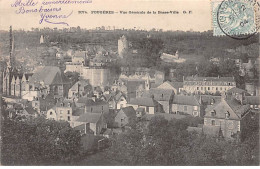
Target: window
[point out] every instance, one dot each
(195, 113)
(197, 88)
(213, 113)
(68, 111)
(68, 118)
(195, 107)
(201, 88)
(91, 109)
(213, 122)
(185, 108)
(216, 88)
(227, 114)
(208, 88)
(147, 109)
(51, 113)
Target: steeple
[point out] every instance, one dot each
(11, 49)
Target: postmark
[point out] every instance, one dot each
(235, 18)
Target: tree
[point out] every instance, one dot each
(38, 142)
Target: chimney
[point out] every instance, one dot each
(223, 96)
(94, 98)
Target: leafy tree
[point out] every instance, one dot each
(38, 142)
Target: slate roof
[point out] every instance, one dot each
(129, 111)
(118, 96)
(185, 100)
(81, 83)
(30, 110)
(47, 103)
(236, 90)
(196, 78)
(66, 102)
(48, 74)
(252, 100)
(89, 117)
(161, 94)
(143, 101)
(235, 106)
(89, 102)
(175, 85)
(167, 116)
(208, 99)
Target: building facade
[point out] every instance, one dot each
(208, 85)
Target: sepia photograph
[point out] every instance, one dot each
(129, 83)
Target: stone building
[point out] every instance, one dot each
(208, 85)
(230, 116)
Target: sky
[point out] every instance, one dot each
(198, 20)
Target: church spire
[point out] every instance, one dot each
(11, 48)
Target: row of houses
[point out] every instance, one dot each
(87, 107)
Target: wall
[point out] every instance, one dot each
(228, 126)
(53, 115)
(190, 109)
(96, 76)
(63, 114)
(166, 106)
(121, 115)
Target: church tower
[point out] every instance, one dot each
(8, 73)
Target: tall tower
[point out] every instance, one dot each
(122, 46)
(11, 49)
(41, 39)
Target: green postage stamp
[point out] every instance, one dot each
(238, 19)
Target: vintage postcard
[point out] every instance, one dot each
(129, 82)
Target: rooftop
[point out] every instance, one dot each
(90, 102)
(185, 100)
(196, 78)
(89, 117)
(236, 90)
(129, 111)
(161, 94)
(167, 116)
(143, 101)
(48, 74)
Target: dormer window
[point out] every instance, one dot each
(227, 114)
(213, 113)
